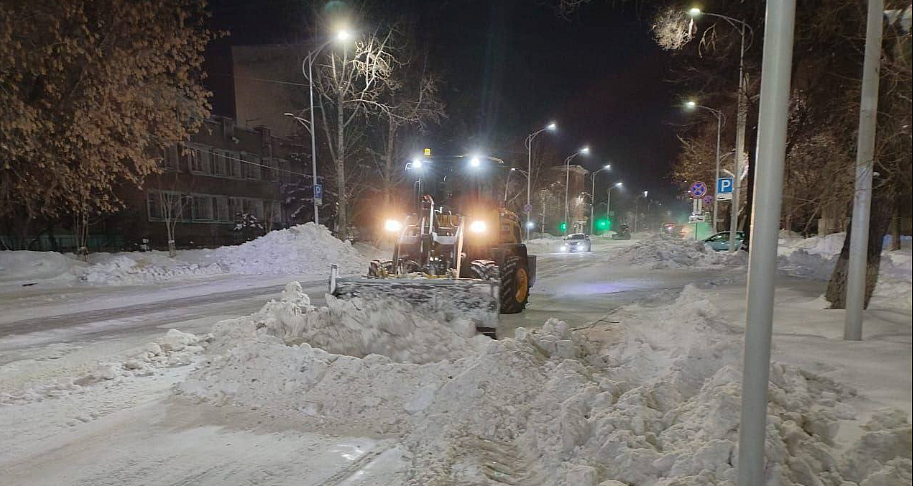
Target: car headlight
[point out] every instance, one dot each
(393, 225)
(562, 248)
(478, 226)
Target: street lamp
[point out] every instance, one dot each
(567, 181)
(342, 35)
(720, 121)
(529, 152)
(593, 193)
(741, 118)
(608, 201)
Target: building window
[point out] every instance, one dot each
(154, 206)
(218, 163)
(235, 207)
(222, 213)
(251, 165)
(284, 170)
(201, 208)
(198, 159)
(170, 159)
(234, 164)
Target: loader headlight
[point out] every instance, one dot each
(478, 227)
(393, 225)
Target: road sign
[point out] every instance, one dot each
(318, 193)
(528, 208)
(724, 185)
(698, 189)
(708, 199)
(724, 197)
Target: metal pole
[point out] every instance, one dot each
(765, 225)
(567, 183)
(593, 201)
(742, 118)
(529, 182)
(865, 155)
(313, 137)
(719, 128)
(608, 203)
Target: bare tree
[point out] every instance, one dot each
(350, 86)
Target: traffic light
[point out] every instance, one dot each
(562, 226)
(603, 224)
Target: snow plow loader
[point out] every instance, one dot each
(458, 254)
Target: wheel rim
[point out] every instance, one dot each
(522, 287)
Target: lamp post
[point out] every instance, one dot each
(308, 63)
(529, 170)
(567, 182)
(741, 119)
(608, 201)
(593, 195)
(720, 121)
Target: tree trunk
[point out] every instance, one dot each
(895, 226)
(341, 206)
(389, 165)
(882, 208)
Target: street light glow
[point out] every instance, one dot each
(552, 126)
(343, 35)
(585, 150)
(417, 163)
(690, 104)
(694, 12)
(475, 162)
(619, 184)
(607, 166)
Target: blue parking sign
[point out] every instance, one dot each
(318, 193)
(724, 185)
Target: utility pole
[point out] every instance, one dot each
(865, 163)
(765, 225)
(741, 121)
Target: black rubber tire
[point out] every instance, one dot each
(513, 274)
(380, 268)
(483, 270)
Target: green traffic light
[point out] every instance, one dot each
(562, 226)
(603, 224)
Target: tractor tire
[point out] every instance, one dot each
(514, 285)
(483, 270)
(380, 268)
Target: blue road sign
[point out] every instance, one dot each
(318, 193)
(724, 185)
(698, 189)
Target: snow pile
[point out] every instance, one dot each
(302, 249)
(174, 349)
(140, 268)
(306, 249)
(658, 253)
(655, 403)
(22, 266)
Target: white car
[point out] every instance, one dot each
(575, 243)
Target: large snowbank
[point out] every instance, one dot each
(660, 253)
(653, 400)
(306, 249)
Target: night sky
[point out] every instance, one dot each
(510, 66)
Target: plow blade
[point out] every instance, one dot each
(448, 298)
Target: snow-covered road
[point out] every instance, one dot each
(137, 431)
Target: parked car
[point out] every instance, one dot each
(576, 242)
(720, 241)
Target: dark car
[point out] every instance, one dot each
(576, 242)
(720, 241)
(622, 233)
